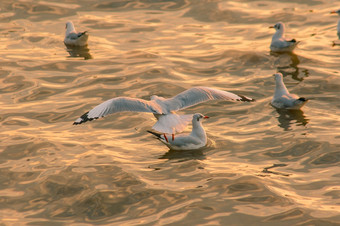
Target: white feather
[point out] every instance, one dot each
(282, 98)
(279, 42)
(172, 123)
(163, 109)
(338, 27)
(195, 140)
(74, 38)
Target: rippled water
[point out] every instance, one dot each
(261, 167)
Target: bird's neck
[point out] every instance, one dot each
(279, 34)
(70, 29)
(280, 88)
(198, 130)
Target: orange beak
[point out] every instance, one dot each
(333, 12)
(271, 27)
(206, 116)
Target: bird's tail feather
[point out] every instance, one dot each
(172, 123)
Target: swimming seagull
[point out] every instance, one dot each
(338, 28)
(74, 38)
(283, 99)
(195, 140)
(279, 42)
(163, 109)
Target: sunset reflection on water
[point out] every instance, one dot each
(262, 166)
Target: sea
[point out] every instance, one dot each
(261, 165)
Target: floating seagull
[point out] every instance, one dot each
(283, 99)
(163, 109)
(279, 43)
(74, 38)
(338, 28)
(195, 140)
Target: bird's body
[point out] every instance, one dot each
(338, 27)
(195, 140)
(74, 38)
(283, 99)
(279, 42)
(163, 109)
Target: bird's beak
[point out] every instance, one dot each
(333, 12)
(206, 116)
(271, 27)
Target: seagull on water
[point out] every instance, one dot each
(74, 38)
(338, 27)
(283, 99)
(195, 140)
(279, 42)
(168, 122)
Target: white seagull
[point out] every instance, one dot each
(283, 99)
(338, 27)
(163, 109)
(279, 42)
(74, 38)
(195, 140)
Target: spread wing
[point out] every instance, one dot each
(198, 95)
(119, 104)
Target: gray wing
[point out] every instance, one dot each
(118, 104)
(282, 102)
(290, 101)
(75, 35)
(198, 95)
(282, 43)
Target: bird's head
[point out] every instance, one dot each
(278, 26)
(278, 76)
(69, 26)
(199, 116)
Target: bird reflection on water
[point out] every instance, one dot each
(186, 155)
(287, 117)
(79, 51)
(287, 64)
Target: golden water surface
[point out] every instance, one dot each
(261, 166)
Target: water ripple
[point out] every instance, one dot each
(261, 165)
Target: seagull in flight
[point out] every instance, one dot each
(279, 42)
(283, 99)
(195, 140)
(74, 38)
(168, 122)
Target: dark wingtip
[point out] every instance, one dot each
(154, 133)
(246, 99)
(81, 34)
(83, 118)
(303, 99)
